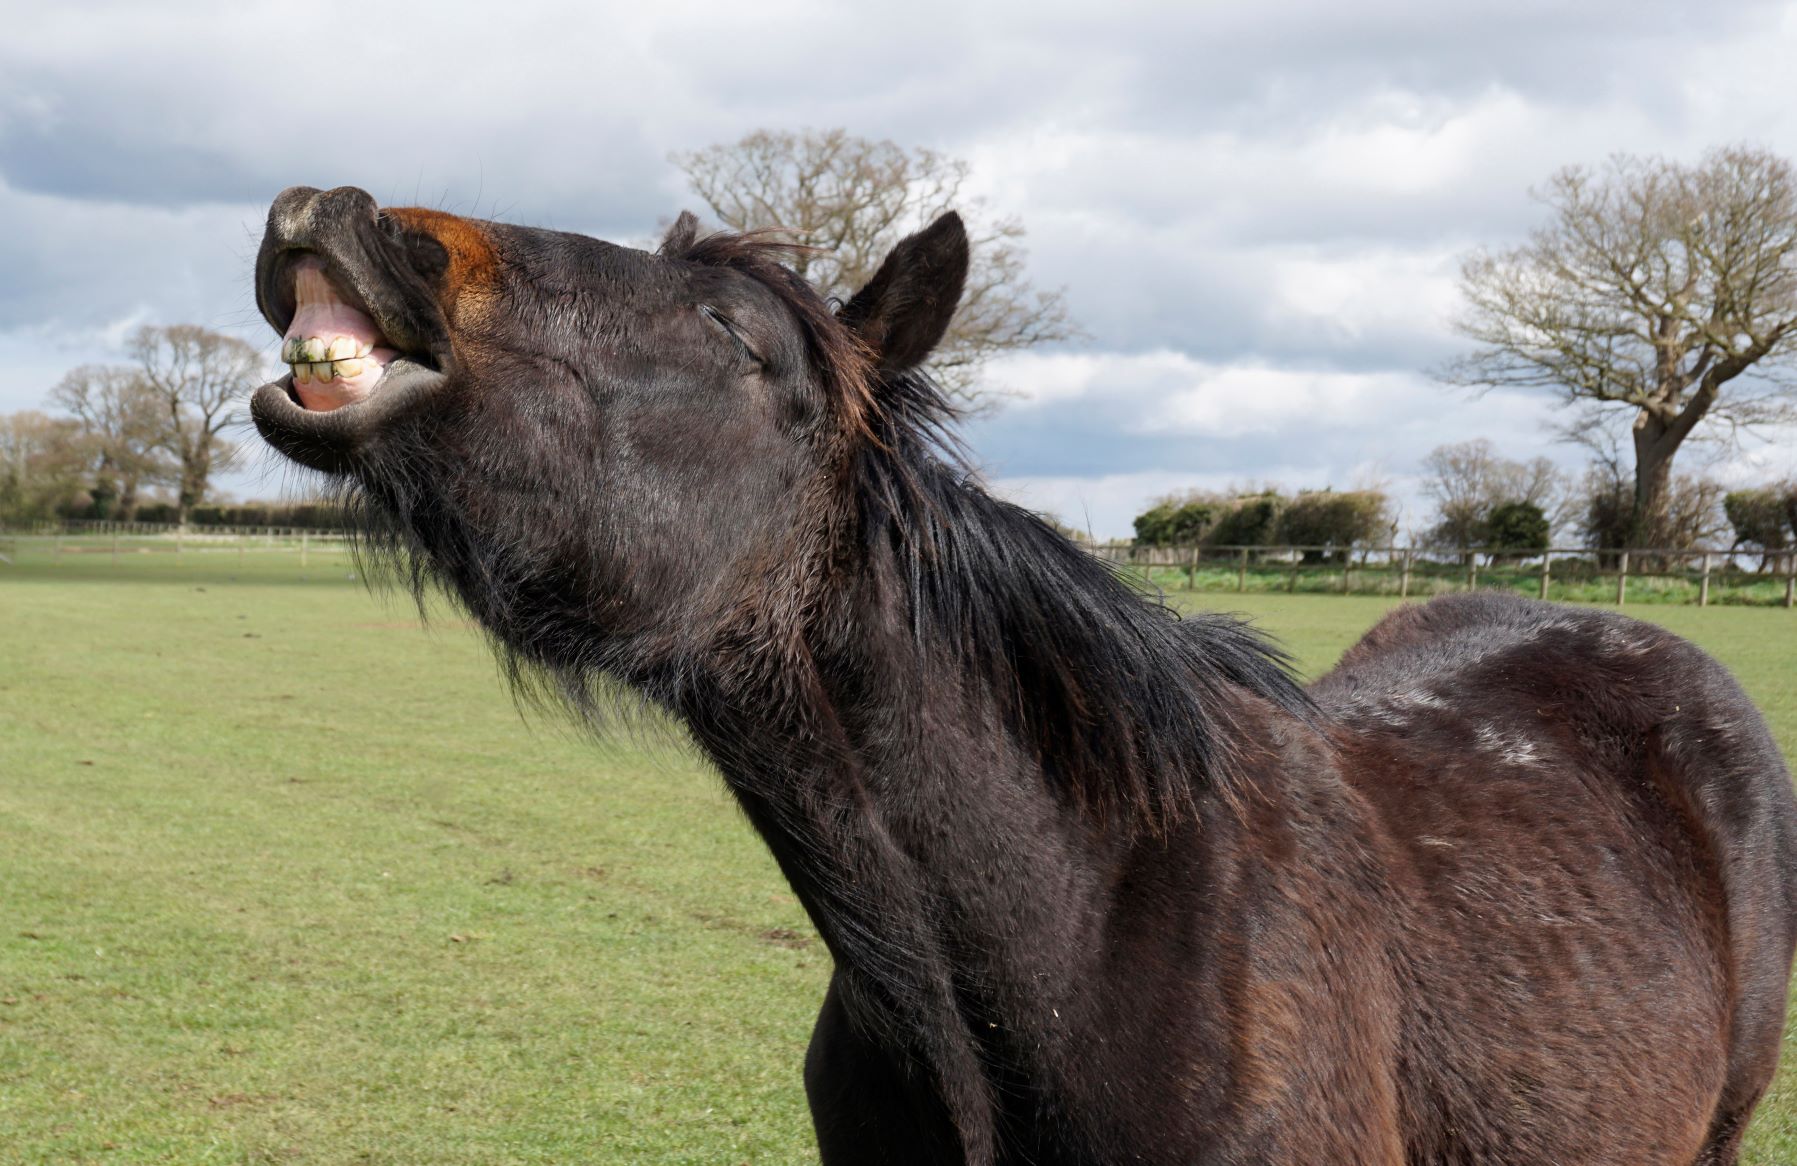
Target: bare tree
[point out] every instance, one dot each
(850, 199)
(198, 376)
(126, 428)
(42, 462)
(1658, 288)
(1469, 480)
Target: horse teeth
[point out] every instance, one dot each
(294, 350)
(302, 374)
(313, 349)
(347, 368)
(342, 348)
(321, 369)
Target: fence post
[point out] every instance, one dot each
(1291, 583)
(302, 548)
(1622, 579)
(1703, 585)
(1404, 577)
(1791, 580)
(1546, 572)
(1241, 571)
(1348, 572)
(1472, 571)
(1192, 571)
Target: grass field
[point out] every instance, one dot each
(287, 878)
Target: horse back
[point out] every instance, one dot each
(1594, 838)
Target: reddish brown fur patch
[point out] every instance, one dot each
(473, 260)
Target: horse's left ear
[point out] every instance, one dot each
(905, 308)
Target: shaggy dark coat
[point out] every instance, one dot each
(1510, 886)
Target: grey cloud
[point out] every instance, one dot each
(1271, 66)
(1183, 169)
(89, 162)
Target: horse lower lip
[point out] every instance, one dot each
(329, 439)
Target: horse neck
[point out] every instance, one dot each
(959, 897)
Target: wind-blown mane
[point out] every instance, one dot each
(1121, 700)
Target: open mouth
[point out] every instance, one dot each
(361, 332)
(335, 349)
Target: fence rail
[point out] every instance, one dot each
(1401, 570)
(58, 543)
(92, 526)
(1700, 575)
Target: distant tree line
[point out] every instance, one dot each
(1482, 501)
(300, 515)
(130, 434)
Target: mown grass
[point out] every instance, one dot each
(287, 878)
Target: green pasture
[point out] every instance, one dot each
(286, 877)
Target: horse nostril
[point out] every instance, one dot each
(348, 203)
(290, 218)
(300, 214)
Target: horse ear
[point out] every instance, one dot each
(905, 308)
(681, 236)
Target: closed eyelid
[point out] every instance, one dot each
(729, 326)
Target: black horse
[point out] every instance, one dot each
(1102, 885)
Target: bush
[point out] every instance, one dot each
(1763, 518)
(1251, 521)
(1175, 522)
(1320, 518)
(309, 515)
(1199, 519)
(1518, 526)
(1333, 522)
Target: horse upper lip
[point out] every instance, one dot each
(342, 230)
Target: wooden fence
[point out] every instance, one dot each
(1403, 571)
(1399, 569)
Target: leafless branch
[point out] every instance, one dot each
(851, 199)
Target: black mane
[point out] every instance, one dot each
(1123, 702)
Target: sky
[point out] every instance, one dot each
(1257, 212)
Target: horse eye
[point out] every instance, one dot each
(730, 329)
